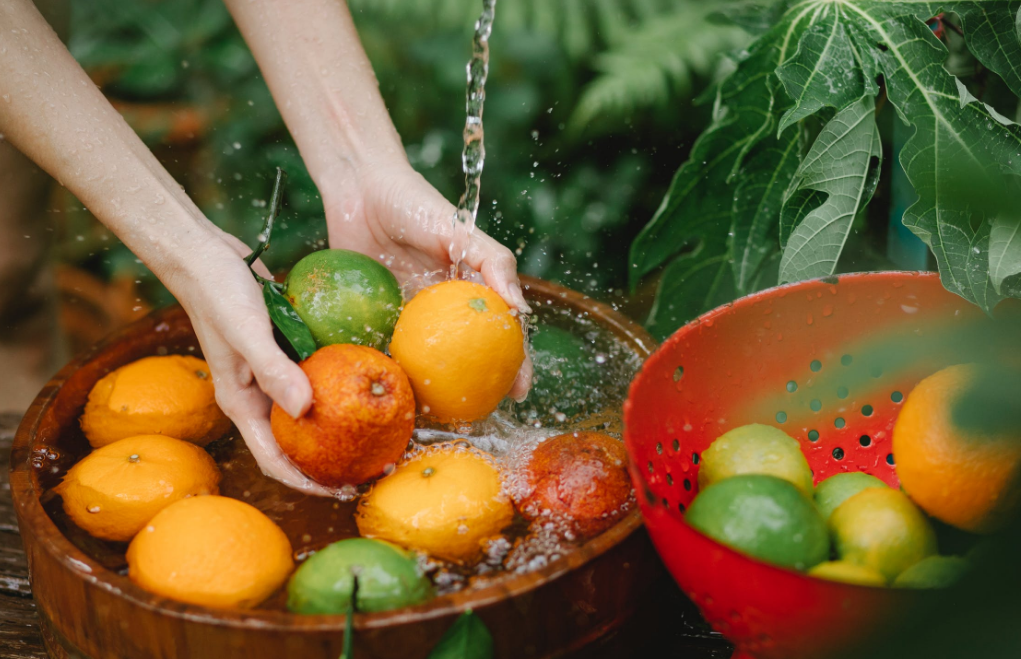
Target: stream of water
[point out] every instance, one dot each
(473, 155)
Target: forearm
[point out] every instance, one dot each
(322, 81)
(53, 113)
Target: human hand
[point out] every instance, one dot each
(391, 213)
(248, 368)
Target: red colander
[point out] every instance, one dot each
(829, 362)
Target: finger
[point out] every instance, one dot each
(279, 377)
(523, 382)
(499, 269)
(244, 250)
(250, 412)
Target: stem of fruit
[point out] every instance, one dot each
(267, 229)
(349, 624)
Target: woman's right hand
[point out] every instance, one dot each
(250, 371)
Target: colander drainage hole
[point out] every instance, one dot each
(680, 507)
(839, 423)
(816, 404)
(889, 459)
(678, 373)
(816, 366)
(687, 484)
(677, 445)
(838, 453)
(659, 448)
(866, 410)
(650, 466)
(792, 386)
(842, 392)
(781, 417)
(669, 479)
(846, 360)
(896, 396)
(813, 435)
(694, 458)
(877, 371)
(665, 504)
(865, 440)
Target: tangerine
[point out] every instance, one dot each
(962, 476)
(461, 346)
(115, 490)
(446, 501)
(580, 477)
(211, 550)
(361, 419)
(172, 395)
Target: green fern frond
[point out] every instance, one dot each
(653, 62)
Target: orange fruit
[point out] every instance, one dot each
(964, 477)
(171, 395)
(213, 551)
(461, 346)
(580, 478)
(446, 501)
(361, 419)
(115, 490)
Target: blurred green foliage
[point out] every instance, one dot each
(588, 111)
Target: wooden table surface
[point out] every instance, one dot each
(666, 625)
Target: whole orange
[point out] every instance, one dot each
(461, 346)
(580, 479)
(361, 419)
(964, 477)
(212, 550)
(171, 395)
(115, 490)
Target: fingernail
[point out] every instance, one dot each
(292, 402)
(520, 299)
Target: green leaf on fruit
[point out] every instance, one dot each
(467, 638)
(287, 320)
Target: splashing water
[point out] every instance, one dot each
(473, 155)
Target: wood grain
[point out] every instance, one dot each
(19, 625)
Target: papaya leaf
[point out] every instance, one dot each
(467, 638)
(990, 30)
(697, 208)
(843, 164)
(823, 71)
(287, 321)
(1004, 249)
(953, 132)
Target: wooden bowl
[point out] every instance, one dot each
(88, 610)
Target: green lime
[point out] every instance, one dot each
(763, 516)
(881, 528)
(847, 573)
(835, 490)
(388, 578)
(755, 449)
(933, 572)
(344, 297)
(563, 380)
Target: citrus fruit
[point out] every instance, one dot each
(965, 478)
(461, 346)
(211, 550)
(563, 379)
(344, 297)
(848, 573)
(361, 419)
(388, 578)
(763, 516)
(837, 489)
(933, 572)
(755, 449)
(171, 395)
(880, 528)
(580, 479)
(113, 491)
(445, 501)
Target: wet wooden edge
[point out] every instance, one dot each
(25, 492)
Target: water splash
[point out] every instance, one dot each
(473, 155)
